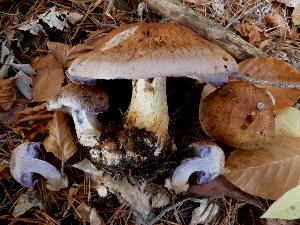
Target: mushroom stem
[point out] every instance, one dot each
(209, 160)
(148, 109)
(88, 128)
(24, 163)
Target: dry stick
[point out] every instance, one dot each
(210, 30)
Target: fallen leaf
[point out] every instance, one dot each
(255, 35)
(60, 141)
(7, 93)
(272, 70)
(296, 15)
(286, 207)
(32, 122)
(287, 122)
(275, 19)
(218, 188)
(27, 201)
(269, 171)
(4, 164)
(50, 77)
(65, 54)
(53, 18)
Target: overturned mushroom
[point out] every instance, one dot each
(24, 163)
(238, 114)
(148, 53)
(84, 103)
(208, 162)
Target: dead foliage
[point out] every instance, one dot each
(61, 141)
(7, 93)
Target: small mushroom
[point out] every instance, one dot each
(24, 163)
(208, 162)
(238, 114)
(147, 54)
(84, 103)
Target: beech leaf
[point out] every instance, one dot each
(65, 54)
(218, 188)
(50, 77)
(287, 122)
(269, 171)
(60, 141)
(286, 207)
(271, 69)
(7, 93)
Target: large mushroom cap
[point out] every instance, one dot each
(239, 114)
(142, 51)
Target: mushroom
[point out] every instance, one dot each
(24, 163)
(84, 103)
(147, 54)
(208, 162)
(238, 114)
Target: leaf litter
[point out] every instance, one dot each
(34, 123)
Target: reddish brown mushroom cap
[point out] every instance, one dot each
(142, 51)
(238, 114)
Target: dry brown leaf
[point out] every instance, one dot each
(269, 171)
(218, 188)
(49, 78)
(275, 19)
(32, 122)
(255, 35)
(271, 69)
(60, 141)
(38, 112)
(7, 93)
(65, 54)
(296, 15)
(10, 117)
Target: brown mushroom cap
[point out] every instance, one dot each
(238, 114)
(142, 51)
(80, 97)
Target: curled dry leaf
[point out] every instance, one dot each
(287, 122)
(254, 34)
(275, 19)
(60, 141)
(65, 54)
(271, 69)
(290, 3)
(32, 122)
(269, 171)
(7, 93)
(296, 15)
(218, 188)
(50, 77)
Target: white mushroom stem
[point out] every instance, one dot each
(88, 128)
(148, 109)
(210, 160)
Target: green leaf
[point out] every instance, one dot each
(286, 207)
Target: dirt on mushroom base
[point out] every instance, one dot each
(136, 155)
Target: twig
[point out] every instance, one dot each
(235, 19)
(163, 212)
(205, 27)
(278, 84)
